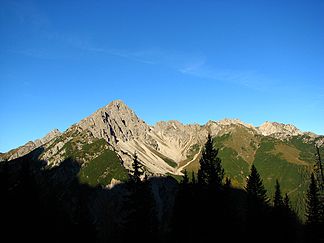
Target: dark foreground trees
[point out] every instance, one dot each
(314, 215)
(149, 209)
(140, 223)
(284, 221)
(257, 211)
(203, 209)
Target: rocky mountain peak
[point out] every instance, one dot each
(235, 121)
(114, 122)
(229, 121)
(118, 105)
(218, 128)
(279, 130)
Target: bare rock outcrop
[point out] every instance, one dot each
(31, 145)
(115, 122)
(279, 130)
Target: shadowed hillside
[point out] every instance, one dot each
(56, 204)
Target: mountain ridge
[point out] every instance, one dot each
(125, 132)
(104, 144)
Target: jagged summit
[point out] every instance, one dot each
(117, 104)
(115, 122)
(166, 147)
(279, 129)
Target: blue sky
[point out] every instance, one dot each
(188, 60)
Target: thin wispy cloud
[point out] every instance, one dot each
(193, 64)
(248, 78)
(196, 64)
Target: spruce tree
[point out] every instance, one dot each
(211, 171)
(210, 192)
(312, 203)
(278, 201)
(137, 172)
(139, 206)
(257, 214)
(254, 187)
(314, 221)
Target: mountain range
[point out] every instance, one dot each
(105, 142)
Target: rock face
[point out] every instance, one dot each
(115, 123)
(127, 134)
(279, 130)
(48, 137)
(31, 145)
(219, 128)
(167, 144)
(166, 147)
(174, 139)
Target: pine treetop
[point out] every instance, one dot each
(254, 187)
(278, 200)
(137, 172)
(211, 171)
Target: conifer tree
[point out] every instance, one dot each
(140, 206)
(137, 172)
(254, 187)
(314, 218)
(283, 219)
(278, 201)
(257, 217)
(312, 203)
(211, 171)
(210, 192)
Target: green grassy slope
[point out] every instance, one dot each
(102, 169)
(289, 161)
(234, 165)
(292, 176)
(99, 163)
